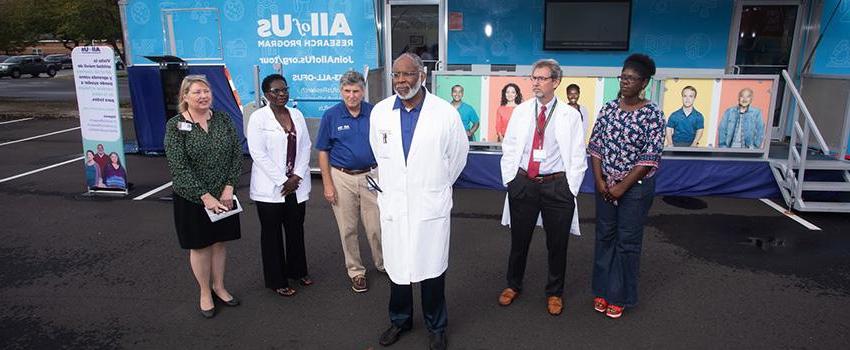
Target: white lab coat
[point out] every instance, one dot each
(567, 126)
(416, 198)
(267, 144)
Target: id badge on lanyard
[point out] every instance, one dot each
(539, 155)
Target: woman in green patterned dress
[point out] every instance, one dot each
(205, 161)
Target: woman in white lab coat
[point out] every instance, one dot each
(280, 185)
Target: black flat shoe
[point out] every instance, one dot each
(234, 301)
(437, 341)
(208, 313)
(391, 335)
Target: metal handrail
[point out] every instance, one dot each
(804, 132)
(789, 83)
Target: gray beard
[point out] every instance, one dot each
(413, 91)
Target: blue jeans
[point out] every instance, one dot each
(619, 237)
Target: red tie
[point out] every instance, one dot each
(537, 143)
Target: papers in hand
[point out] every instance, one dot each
(237, 208)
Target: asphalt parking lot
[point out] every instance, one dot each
(107, 272)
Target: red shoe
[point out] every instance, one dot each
(614, 311)
(600, 304)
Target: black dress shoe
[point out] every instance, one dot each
(234, 301)
(437, 341)
(391, 335)
(208, 313)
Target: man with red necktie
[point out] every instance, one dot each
(543, 164)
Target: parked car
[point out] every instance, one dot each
(63, 61)
(3, 58)
(33, 65)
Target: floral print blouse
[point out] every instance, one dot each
(623, 140)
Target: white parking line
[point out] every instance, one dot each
(15, 121)
(39, 136)
(155, 190)
(791, 215)
(10, 178)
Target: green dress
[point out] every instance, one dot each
(202, 162)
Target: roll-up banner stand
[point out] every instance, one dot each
(100, 121)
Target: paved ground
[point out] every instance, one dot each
(84, 272)
(45, 96)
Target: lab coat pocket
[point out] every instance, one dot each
(386, 206)
(436, 204)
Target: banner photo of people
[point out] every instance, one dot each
(690, 113)
(485, 102)
(745, 110)
(464, 93)
(581, 93)
(506, 92)
(727, 114)
(100, 120)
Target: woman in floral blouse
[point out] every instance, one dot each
(625, 149)
(205, 161)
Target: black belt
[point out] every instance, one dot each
(355, 171)
(542, 178)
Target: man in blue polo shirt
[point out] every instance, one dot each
(346, 160)
(685, 126)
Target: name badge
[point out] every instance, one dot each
(539, 155)
(184, 126)
(384, 135)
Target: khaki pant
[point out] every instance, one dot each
(354, 202)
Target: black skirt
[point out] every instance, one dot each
(196, 231)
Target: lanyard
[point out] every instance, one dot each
(548, 119)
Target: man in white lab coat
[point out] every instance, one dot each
(543, 164)
(420, 147)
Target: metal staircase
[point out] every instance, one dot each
(791, 172)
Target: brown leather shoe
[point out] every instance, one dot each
(507, 297)
(555, 305)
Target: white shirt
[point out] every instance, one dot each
(552, 163)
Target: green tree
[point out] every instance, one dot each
(80, 22)
(18, 26)
(74, 22)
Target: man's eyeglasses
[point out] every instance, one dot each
(396, 75)
(630, 78)
(539, 79)
(279, 91)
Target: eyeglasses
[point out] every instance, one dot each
(539, 79)
(630, 78)
(279, 91)
(396, 75)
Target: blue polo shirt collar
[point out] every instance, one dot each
(399, 104)
(347, 114)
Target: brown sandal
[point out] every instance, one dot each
(305, 281)
(285, 292)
